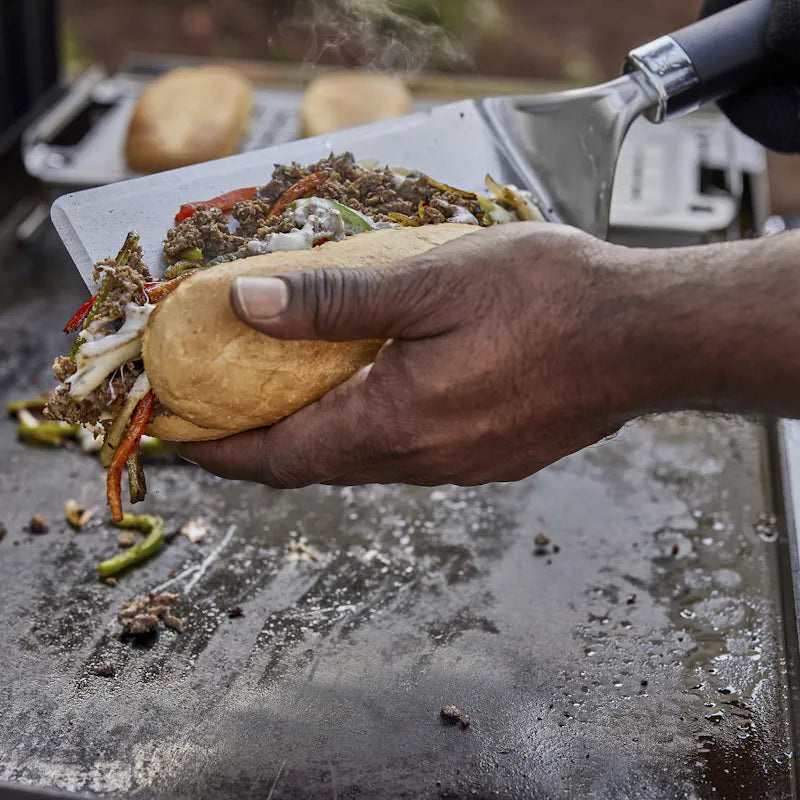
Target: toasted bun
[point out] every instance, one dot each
(344, 99)
(210, 368)
(188, 115)
(174, 429)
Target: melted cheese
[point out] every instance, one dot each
(98, 358)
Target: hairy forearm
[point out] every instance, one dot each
(713, 328)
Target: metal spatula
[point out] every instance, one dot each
(563, 147)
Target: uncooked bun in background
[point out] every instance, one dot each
(188, 115)
(345, 99)
(208, 367)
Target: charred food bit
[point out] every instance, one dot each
(142, 614)
(541, 539)
(235, 612)
(38, 524)
(105, 671)
(77, 515)
(195, 530)
(454, 715)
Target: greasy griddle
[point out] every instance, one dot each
(644, 659)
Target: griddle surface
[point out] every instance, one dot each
(644, 659)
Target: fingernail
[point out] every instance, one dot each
(260, 299)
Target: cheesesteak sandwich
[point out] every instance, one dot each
(170, 358)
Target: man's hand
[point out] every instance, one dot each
(501, 361)
(515, 346)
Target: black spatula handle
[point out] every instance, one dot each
(707, 60)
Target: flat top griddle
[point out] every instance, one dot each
(643, 659)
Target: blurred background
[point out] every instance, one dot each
(444, 48)
(580, 41)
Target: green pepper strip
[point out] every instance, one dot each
(31, 404)
(49, 433)
(192, 254)
(123, 257)
(141, 551)
(136, 480)
(181, 268)
(221, 259)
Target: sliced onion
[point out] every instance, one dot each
(521, 201)
(118, 427)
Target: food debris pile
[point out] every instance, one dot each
(455, 716)
(142, 614)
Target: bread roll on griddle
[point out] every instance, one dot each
(211, 369)
(347, 98)
(188, 115)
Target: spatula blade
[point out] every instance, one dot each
(454, 143)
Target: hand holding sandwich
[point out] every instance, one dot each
(515, 346)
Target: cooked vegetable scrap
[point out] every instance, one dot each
(454, 715)
(38, 524)
(76, 514)
(51, 433)
(195, 530)
(142, 614)
(150, 524)
(299, 551)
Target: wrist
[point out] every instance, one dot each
(711, 328)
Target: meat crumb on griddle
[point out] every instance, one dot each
(454, 715)
(38, 524)
(142, 614)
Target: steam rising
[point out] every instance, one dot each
(376, 34)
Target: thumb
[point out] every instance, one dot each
(407, 299)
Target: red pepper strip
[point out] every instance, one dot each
(139, 421)
(78, 318)
(225, 202)
(302, 188)
(156, 292)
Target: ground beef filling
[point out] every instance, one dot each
(120, 285)
(376, 193)
(101, 403)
